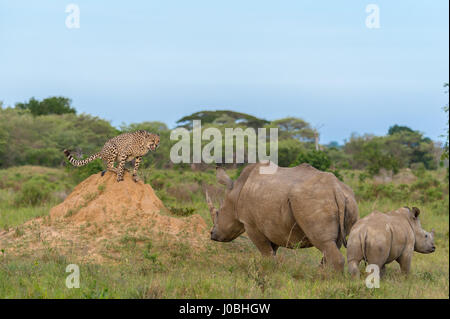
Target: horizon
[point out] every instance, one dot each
(161, 61)
(118, 127)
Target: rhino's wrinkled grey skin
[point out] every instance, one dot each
(294, 207)
(382, 238)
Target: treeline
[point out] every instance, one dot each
(36, 132)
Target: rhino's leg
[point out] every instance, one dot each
(261, 242)
(323, 261)
(325, 241)
(331, 255)
(274, 248)
(405, 262)
(382, 271)
(317, 218)
(378, 253)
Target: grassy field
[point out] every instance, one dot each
(149, 269)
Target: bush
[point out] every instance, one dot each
(317, 159)
(425, 190)
(42, 156)
(371, 191)
(363, 176)
(34, 192)
(418, 169)
(40, 140)
(182, 211)
(338, 174)
(79, 174)
(288, 152)
(426, 182)
(50, 105)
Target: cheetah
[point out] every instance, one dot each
(122, 148)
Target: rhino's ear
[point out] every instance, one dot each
(416, 212)
(223, 178)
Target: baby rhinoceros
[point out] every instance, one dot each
(382, 238)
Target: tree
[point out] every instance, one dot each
(152, 127)
(222, 117)
(333, 144)
(445, 154)
(338, 158)
(402, 148)
(51, 105)
(40, 140)
(377, 156)
(293, 127)
(410, 147)
(4, 137)
(288, 151)
(397, 129)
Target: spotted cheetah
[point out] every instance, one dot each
(122, 148)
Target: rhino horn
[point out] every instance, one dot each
(223, 178)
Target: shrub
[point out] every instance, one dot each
(288, 152)
(79, 174)
(372, 191)
(317, 159)
(418, 169)
(363, 176)
(182, 211)
(33, 192)
(380, 161)
(426, 190)
(239, 170)
(425, 183)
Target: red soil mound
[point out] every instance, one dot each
(99, 212)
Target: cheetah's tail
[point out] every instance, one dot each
(76, 162)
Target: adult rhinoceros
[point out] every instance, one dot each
(296, 207)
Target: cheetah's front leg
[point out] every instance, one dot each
(137, 161)
(121, 167)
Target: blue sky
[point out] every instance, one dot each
(161, 60)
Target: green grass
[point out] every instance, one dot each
(15, 177)
(153, 269)
(12, 215)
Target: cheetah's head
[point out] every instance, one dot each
(153, 141)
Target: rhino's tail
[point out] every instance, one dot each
(363, 245)
(342, 203)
